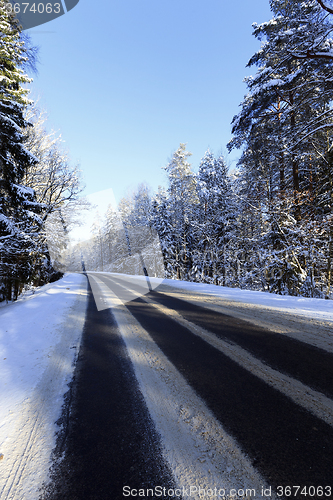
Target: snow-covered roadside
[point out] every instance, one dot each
(39, 339)
(313, 308)
(305, 319)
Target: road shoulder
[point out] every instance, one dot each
(46, 329)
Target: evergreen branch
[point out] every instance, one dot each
(312, 55)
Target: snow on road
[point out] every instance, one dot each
(39, 339)
(200, 454)
(196, 446)
(307, 307)
(306, 319)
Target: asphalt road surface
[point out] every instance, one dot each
(108, 438)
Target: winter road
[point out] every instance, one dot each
(171, 394)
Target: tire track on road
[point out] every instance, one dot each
(310, 365)
(111, 441)
(313, 401)
(198, 449)
(300, 451)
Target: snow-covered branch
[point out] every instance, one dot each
(311, 54)
(325, 6)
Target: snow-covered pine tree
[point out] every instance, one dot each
(313, 40)
(139, 222)
(162, 223)
(19, 222)
(288, 97)
(251, 192)
(111, 229)
(284, 118)
(182, 196)
(215, 223)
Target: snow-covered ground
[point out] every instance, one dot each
(39, 339)
(305, 319)
(313, 308)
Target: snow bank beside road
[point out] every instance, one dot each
(313, 308)
(39, 338)
(305, 319)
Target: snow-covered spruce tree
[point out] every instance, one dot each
(215, 223)
(252, 191)
(162, 223)
(127, 234)
(139, 219)
(19, 222)
(286, 112)
(144, 254)
(182, 196)
(112, 226)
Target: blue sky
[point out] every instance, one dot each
(126, 81)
